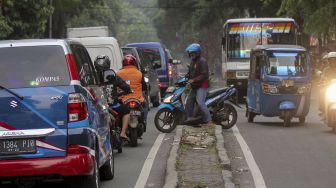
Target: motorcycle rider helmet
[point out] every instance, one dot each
(194, 50)
(129, 60)
(102, 63)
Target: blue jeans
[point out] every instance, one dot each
(199, 96)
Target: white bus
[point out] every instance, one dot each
(241, 35)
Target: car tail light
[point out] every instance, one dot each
(77, 108)
(77, 149)
(72, 67)
(132, 104)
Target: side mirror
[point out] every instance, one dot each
(156, 64)
(109, 76)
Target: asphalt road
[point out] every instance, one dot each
(291, 157)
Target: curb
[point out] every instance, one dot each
(225, 161)
(171, 178)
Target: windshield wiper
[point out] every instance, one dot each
(11, 92)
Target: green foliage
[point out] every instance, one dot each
(23, 19)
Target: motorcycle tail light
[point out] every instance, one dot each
(132, 104)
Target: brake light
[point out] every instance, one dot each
(77, 108)
(72, 67)
(132, 104)
(77, 149)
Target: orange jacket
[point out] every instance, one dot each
(132, 76)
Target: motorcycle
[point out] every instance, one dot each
(116, 130)
(329, 115)
(172, 111)
(136, 126)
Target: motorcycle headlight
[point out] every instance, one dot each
(303, 89)
(168, 99)
(331, 92)
(270, 89)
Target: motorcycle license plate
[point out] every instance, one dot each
(135, 113)
(170, 89)
(17, 146)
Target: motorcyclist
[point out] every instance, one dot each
(328, 73)
(198, 76)
(135, 79)
(103, 63)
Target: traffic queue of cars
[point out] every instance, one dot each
(55, 122)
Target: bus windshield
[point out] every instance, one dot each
(242, 37)
(286, 64)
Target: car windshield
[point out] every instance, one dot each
(287, 64)
(33, 66)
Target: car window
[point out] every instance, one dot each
(33, 66)
(85, 70)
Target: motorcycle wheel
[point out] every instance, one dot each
(226, 116)
(133, 136)
(165, 120)
(287, 118)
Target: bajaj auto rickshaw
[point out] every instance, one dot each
(279, 83)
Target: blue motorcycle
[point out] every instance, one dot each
(172, 111)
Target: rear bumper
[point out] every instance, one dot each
(71, 165)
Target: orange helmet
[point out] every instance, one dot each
(129, 60)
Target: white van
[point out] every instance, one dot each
(103, 46)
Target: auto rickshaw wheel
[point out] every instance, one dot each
(287, 118)
(250, 117)
(302, 120)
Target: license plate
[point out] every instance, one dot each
(170, 89)
(135, 113)
(287, 83)
(17, 146)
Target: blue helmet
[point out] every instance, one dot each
(194, 48)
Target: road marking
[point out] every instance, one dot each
(146, 168)
(256, 174)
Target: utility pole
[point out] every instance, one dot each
(50, 20)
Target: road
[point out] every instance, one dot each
(294, 157)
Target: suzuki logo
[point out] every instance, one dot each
(13, 104)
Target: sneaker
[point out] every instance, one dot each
(209, 123)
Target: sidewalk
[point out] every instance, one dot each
(198, 159)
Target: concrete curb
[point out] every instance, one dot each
(171, 179)
(225, 161)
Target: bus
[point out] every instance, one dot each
(242, 35)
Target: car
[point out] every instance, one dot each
(54, 119)
(103, 46)
(145, 65)
(160, 58)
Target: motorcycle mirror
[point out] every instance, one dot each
(109, 76)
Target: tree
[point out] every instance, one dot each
(23, 19)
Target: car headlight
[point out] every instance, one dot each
(303, 89)
(168, 99)
(270, 89)
(146, 79)
(331, 92)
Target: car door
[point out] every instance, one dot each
(98, 107)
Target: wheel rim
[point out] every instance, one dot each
(226, 116)
(166, 120)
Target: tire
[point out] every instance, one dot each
(287, 118)
(226, 116)
(107, 170)
(133, 134)
(250, 117)
(157, 100)
(92, 181)
(169, 119)
(302, 120)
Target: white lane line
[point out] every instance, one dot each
(256, 174)
(146, 168)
